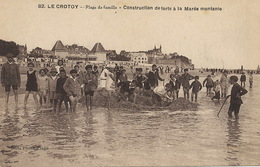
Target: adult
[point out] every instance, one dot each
(107, 79)
(10, 77)
(224, 83)
(185, 81)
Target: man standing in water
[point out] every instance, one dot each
(185, 81)
(10, 77)
(236, 92)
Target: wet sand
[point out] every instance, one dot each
(123, 138)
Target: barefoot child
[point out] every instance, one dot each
(61, 93)
(31, 85)
(175, 86)
(209, 84)
(90, 81)
(72, 86)
(196, 87)
(42, 82)
(52, 83)
(140, 79)
(236, 92)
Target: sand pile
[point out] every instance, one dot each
(143, 103)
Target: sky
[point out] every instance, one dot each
(221, 39)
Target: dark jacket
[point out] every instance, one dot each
(208, 81)
(235, 91)
(153, 77)
(243, 78)
(59, 85)
(72, 86)
(185, 78)
(196, 86)
(10, 74)
(175, 85)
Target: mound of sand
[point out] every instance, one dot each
(143, 103)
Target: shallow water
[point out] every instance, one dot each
(102, 137)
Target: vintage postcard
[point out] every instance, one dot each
(129, 83)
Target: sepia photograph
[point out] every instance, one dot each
(129, 83)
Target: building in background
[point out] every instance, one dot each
(98, 54)
(139, 57)
(60, 51)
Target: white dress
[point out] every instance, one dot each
(103, 78)
(106, 81)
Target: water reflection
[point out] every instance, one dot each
(102, 137)
(233, 142)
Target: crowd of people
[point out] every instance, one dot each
(55, 87)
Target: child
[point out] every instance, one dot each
(42, 81)
(196, 87)
(52, 84)
(251, 80)
(140, 79)
(124, 90)
(10, 77)
(90, 81)
(80, 73)
(209, 84)
(146, 83)
(243, 79)
(178, 81)
(175, 86)
(61, 93)
(217, 90)
(185, 78)
(59, 65)
(153, 77)
(224, 83)
(95, 71)
(72, 87)
(123, 76)
(31, 85)
(161, 93)
(236, 92)
(123, 80)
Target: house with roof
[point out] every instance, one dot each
(60, 51)
(98, 54)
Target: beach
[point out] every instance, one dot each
(122, 138)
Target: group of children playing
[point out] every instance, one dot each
(54, 87)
